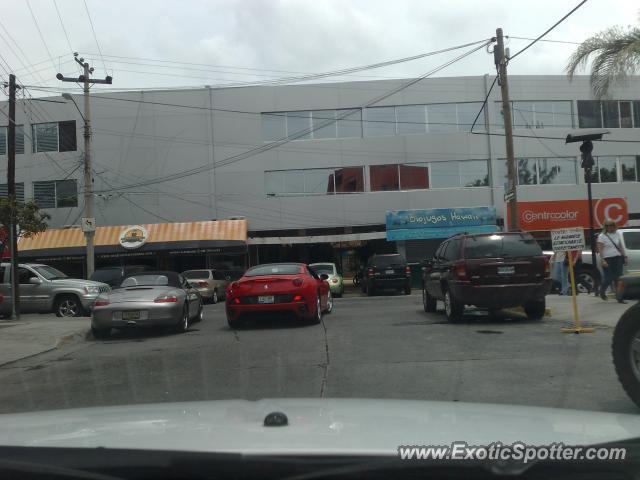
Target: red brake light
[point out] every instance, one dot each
(101, 303)
(370, 272)
(203, 283)
(298, 282)
(236, 301)
(297, 298)
(166, 299)
(407, 270)
(460, 271)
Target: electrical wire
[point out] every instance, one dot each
(543, 40)
(95, 37)
(548, 30)
(55, 4)
(44, 42)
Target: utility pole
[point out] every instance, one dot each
(88, 220)
(11, 195)
(510, 194)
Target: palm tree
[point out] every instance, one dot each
(616, 54)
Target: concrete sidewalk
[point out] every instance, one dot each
(35, 334)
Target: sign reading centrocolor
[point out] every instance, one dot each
(554, 214)
(565, 239)
(133, 237)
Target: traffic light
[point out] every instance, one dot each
(587, 160)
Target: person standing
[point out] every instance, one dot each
(561, 271)
(612, 258)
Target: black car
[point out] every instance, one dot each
(490, 271)
(386, 272)
(113, 276)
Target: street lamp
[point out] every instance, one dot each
(68, 96)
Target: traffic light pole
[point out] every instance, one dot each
(587, 172)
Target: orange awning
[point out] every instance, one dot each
(159, 236)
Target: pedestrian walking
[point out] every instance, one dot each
(612, 258)
(561, 271)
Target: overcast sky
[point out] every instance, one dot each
(250, 40)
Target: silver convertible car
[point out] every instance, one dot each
(147, 299)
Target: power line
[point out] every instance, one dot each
(543, 40)
(55, 4)
(44, 42)
(95, 37)
(548, 30)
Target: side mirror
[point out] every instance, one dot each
(324, 276)
(35, 281)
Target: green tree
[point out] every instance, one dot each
(616, 54)
(30, 220)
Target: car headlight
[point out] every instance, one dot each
(91, 289)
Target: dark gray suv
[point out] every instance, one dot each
(386, 272)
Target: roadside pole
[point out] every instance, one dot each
(11, 195)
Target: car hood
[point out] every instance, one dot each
(77, 282)
(315, 426)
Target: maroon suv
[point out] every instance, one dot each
(490, 271)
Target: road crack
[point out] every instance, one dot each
(325, 373)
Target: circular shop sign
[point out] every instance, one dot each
(133, 237)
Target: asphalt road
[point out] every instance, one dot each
(380, 347)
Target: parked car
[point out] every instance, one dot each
(387, 271)
(490, 271)
(626, 337)
(279, 288)
(336, 283)
(46, 289)
(147, 299)
(212, 284)
(587, 276)
(113, 276)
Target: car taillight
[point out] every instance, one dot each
(166, 299)
(334, 280)
(297, 298)
(460, 271)
(101, 303)
(370, 272)
(298, 282)
(547, 267)
(236, 301)
(203, 283)
(407, 270)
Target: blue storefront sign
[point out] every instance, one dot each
(439, 222)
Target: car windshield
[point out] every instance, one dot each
(321, 268)
(196, 274)
(632, 239)
(275, 269)
(145, 280)
(388, 260)
(499, 246)
(106, 275)
(50, 273)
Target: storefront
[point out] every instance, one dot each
(172, 246)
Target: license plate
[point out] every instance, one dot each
(130, 315)
(389, 272)
(265, 299)
(506, 270)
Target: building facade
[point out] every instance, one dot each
(315, 168)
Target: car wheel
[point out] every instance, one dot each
(625, 348)
(214, 297)
(407, 290)
(200, 315)
(68, 306)
(535, 309)
(101, 333)
(234, 324)
(452, 308)
(329, 303)
(428, 302)
(586, 281)
(317, 315)
(183, 325)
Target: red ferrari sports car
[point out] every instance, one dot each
(279, 288)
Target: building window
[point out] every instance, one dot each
(608, 114)
(527, 171)
(299, 125)
(324, 123)
(349, 179)
(54, 137)
(411, 119)
(630, 168)
(541, 114)
(56, 193)
(414, 176)
(19, 191)
(384, 178)
(274, 127)
(467, 113)
(4, 140)
(445, 174)
(314, 181)
(474, 173)
(380, 121)
(442, 118)
(543, 171)
(349, 123)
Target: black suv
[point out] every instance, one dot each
(490, 271)
(389, 271)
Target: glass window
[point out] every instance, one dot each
(589, 114)
(384, 178)
(66, 193)
(67, 136)
(274, 269)
(45, 137)
(411, 119)
(3, 140)
(380, 121)
(324, 124)
(274, 126)
(453, 250)
(445, 174)
(414, 176)
(293, 181)
(527, 174)
(273, 182)
(196, 274)
(636, 114)
(610, 114)
(474, 173)
(497, 246)
(349, 123)
(44, 194)
(466, 115)
(562, 114)
(19, 139)
(24, 275)
(557, 171)
(4, 191)
(299, 125)
(631, 240)
(523, 114)
(626, 120)
(607, 169)
(349, 179)
(628, 167)
(319, 181)
(442, 118)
